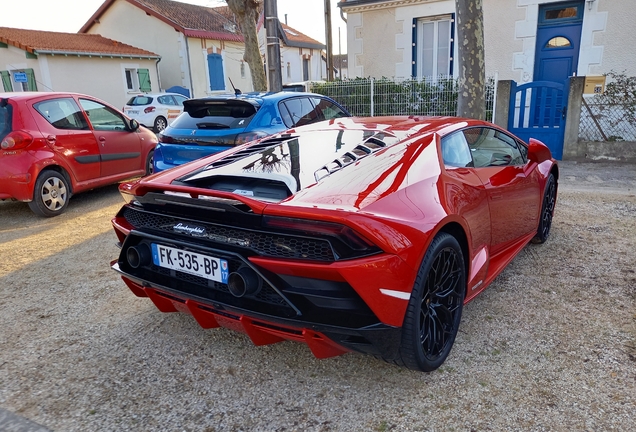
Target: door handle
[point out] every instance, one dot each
(102, 140)
(564, 111)
(51, 139)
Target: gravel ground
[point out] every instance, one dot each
(550, 345)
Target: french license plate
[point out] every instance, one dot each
(132, 112)
(205, 266)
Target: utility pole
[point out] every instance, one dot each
(329, 42)
(274, 75)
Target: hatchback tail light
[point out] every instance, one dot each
(16, 140)
(149, 109)
(242, 138)
(165, 139)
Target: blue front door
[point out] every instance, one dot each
(558, 41)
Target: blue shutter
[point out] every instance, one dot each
(215, 66)
(414, 49)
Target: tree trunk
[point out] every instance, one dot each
(247, 12)
(471, 100)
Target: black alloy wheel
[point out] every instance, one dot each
(435, 308)
(547, 211)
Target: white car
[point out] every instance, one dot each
(155, 110)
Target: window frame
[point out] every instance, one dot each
(417, 42)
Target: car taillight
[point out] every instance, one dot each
(16, 140)
(309, 227)
(165, 139)
(248, 136)
(149, 109)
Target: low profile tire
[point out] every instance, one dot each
(435, 307)
(150, 161)
(51, 194)
(160, 124)
(547, 211)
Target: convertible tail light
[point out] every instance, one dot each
(149, 109)
(248, 136)
(16, 140)
(308, 227)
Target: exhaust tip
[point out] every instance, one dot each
(138, 256)
(243, 282)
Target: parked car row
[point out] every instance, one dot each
(54, 145)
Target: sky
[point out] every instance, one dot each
(306, 16)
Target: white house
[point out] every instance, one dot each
(32, 60)
(201, 48)
(525, 40)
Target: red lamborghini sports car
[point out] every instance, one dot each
(355, 234)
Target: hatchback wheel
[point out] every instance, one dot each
(51, 194)
(160, 124)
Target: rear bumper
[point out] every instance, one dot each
(168, 156)
(16, 182)
(323, 340)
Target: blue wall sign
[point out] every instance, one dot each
(20, 77)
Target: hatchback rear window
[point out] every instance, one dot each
(5, 118)
(216, 117)
(139, 100)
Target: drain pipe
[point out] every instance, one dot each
(158, 74)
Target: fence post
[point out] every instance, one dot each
(502, 104)
(573, 117)
(372, 83)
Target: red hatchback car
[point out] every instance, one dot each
(356, 234)
(54, 145)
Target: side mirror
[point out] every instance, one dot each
(537, 151)
(134, 125)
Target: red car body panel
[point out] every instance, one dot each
(397, 199)
(57, 148)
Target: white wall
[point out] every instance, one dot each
(129, 24)
(102, 77)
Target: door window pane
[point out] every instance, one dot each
(490, 147)
(558, 42)
(302, 111)
(103, 118)
(443, 47)
(428, 49)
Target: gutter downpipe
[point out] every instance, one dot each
(158, 74)
(189, 67)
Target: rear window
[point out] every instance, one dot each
(5, 119)
(139, 100)
(216, 117)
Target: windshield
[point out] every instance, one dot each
(140, 100)
(5, 119)
(216, 117)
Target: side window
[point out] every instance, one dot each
(62, 113)
(180, 100)
(166, 100)
(490, 147)
(302, 111)
(328, 109)
(103, 118)
(455, 151)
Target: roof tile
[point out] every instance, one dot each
(67, 43)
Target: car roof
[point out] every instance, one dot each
(157, 94)
(35, 94)
(259, 98)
